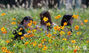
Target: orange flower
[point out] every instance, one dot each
(49, 35)
(31, 21)
(62, 32)
(44, 48)
(34, 22)
(31, 35)
(76, 27)
(57, 17)
(26, 43)
(53, 37)
(26, 35)
(48, 24)
(86, 21)
(3, 14)
(29, 24)
(69, 33)
(40, 45)
(65, 23)
(78, 33)
(75, 16)
(13, 23)
(3, 29)
(64, 39)
(56, 27)
(62, 27)
(73, 41)
(7, 41)
(29, 31)
(22, 38)
(31, 43)
(34, 44)
(4, 32)
(82, 23)
(13, 18)
(50, 41)
(4, 49)
(87, 41)
(8, 51)
(59, 28)
(75, 50)
(21, 29)
(44, 39)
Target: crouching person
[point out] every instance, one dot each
(20, 31)
(67, 22)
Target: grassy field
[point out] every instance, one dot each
(40, 42)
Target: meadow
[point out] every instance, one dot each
(40, 42)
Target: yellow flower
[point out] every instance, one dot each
(64, 39)
(13, 18)
(65, 23)
(69, 32)
(44, 48)
(75, 16)
(3, 29)
(3, 14)
(86, 21)
(62, 33)
(73, 41)
(45, 19)
(76, 27)
(87, 41)
(57, 17)
(34, 30)
(48, 24)
(13, 23)
(20, 33)
(62, 27)
(31, 21)
(77, 47)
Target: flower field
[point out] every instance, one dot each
(41, 42)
